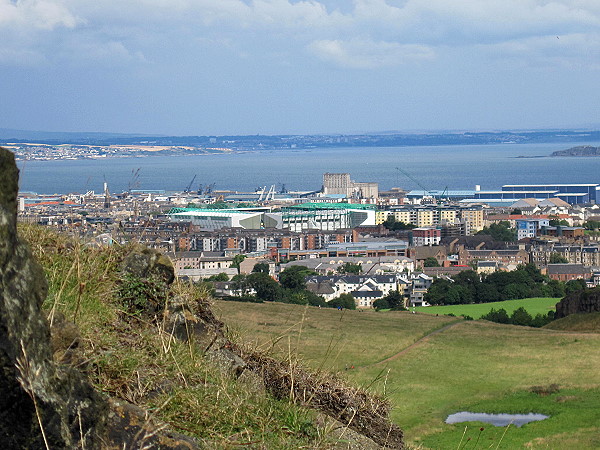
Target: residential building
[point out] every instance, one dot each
(426, 236)
(566, 272)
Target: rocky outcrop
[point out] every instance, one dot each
(585, 301)
(203, 328)
(44, 404)
(143, 262)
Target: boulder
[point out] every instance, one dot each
(585, 301)
(143, 262)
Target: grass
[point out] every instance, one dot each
(577, 322)
(466, 365)
(132, 358)
(327, 338)
(470, 365)
(534, 306)
(572, 408)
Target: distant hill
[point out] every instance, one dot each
(581, 150)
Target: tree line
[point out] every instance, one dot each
(519, 316)
(524, 282)
(291, 288)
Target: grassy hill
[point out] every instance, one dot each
(431, 366)
(577, 322)
(539, 305)
(132, 357)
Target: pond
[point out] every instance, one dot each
(498, 420)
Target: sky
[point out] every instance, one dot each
(227, 67)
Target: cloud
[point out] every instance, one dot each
(362, 34)
(567, 50)
(367, 54)
(36, 14)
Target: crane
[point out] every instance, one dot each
(404, 172)
(434, 194)
(189, 186)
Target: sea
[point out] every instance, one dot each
(459, 167)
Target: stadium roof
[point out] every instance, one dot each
(315, 206)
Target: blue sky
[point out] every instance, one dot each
(198, 67)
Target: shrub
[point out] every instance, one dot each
(139, 295)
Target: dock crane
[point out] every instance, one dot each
(434, 194)
(189, 186)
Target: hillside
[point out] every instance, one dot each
(431, 366)
(581, 150)
(131, 356)
(586, 323)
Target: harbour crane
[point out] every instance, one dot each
(434, 194)
(189, 186)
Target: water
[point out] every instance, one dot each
(455, 167)
(498, 420)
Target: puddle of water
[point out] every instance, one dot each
(498, 420)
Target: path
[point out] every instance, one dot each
(414, 344)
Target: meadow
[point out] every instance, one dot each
(534, 306)
(431, 366)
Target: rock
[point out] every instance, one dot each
(40, 404)
(44, 404)
(204, 330)
(585, 301)
(145, 278)
(143, 262)
(65, 341)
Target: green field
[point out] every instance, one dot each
(463, 366)
(534, 306)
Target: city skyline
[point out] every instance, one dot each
(298, 67)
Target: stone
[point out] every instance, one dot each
(204, 330)
(143, 262)
(585, 301)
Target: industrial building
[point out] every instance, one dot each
(341, 184)
(574, 194)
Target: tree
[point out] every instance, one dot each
(557, 289)
(349, 267)
(431, 262)
(437, 292)
(516, 291)
(343, 301)
(520, 316)
(261, 267)
(241, 283)
(237, 259)
(533, 272)
(220, 277)
(303, 297)
(558, 223)
(557, 258)
(458, 295)
(394, 300)
(266, 288)
(500, 231)
(574, 286)
(500, 316)
(393, 225)
(487, 293)
(381, 303)
(294, 277)
(516, 211)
